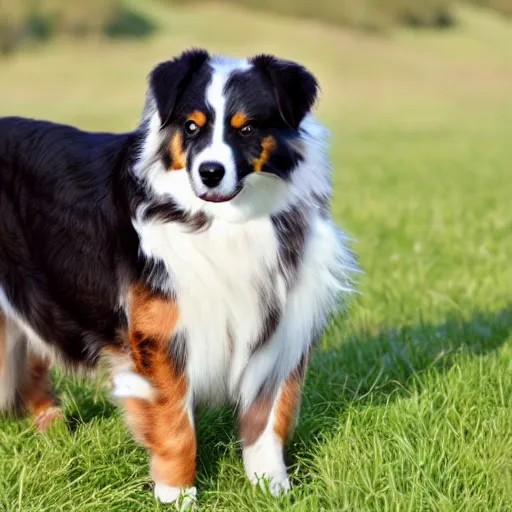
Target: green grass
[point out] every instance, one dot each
(408, 402)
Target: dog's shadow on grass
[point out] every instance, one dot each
(366, 368)
(86, 400)
(380, 367)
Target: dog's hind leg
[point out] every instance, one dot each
(13, 357)
(36, 392)
(25, 383)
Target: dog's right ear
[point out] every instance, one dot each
(295, 88)
(169, 79)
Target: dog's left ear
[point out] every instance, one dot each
(169, 79)
(295, 88)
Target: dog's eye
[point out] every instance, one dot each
(246, 130)
(191, 127)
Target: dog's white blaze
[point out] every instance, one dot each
(263, 460)
(218, 150)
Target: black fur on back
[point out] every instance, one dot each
(67, 245)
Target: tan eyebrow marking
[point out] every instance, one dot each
(198, 117)
(178, 159)
(268, 144)
(239, 119)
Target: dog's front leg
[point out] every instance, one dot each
(156, 397)
(264, 428)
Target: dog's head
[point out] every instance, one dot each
(229, 126)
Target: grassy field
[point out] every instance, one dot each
(408, 403)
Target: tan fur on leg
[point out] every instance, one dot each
(36, 392)
(162, 422)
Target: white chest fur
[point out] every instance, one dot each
(219, 277)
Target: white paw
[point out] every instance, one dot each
(184, 497)
(264, 464)
(274, 484)
(131, 385)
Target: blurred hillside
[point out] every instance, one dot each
(25, 21)
(368, 15)
(410, 76)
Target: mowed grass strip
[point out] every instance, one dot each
(409, 397)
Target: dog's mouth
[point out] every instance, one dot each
(215, 197)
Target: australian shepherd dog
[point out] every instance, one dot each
(196, 254)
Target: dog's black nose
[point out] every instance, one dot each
(211, 173)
